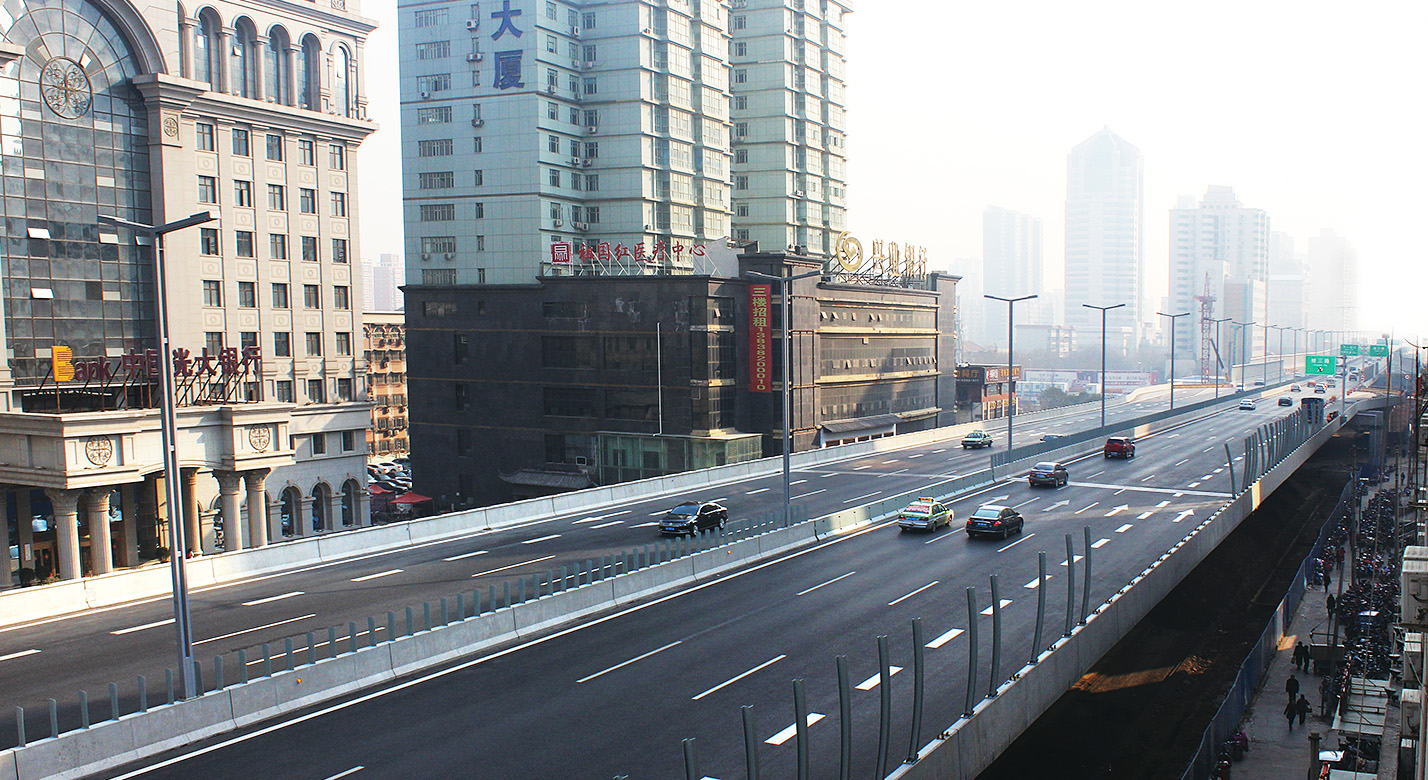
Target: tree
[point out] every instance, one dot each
(1055, 398)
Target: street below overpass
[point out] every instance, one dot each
(614, 696)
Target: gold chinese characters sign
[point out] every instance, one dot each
(886, 262)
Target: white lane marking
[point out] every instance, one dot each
(1177, 495)
(1100, 543)
(1194, 484)
(132, 629)
(354, 770)
(1003, 603)
(889, 462)
(918, 455)
(892, 473)
(607, 525)
(1036, 583)
(1183, 515)
(376, 576)
(814, 493)
(512, 566)
(787, 734)
(596, 518)
(1017, 542)
(1144, 515)
(1144, 479)
(860, 468)
(951, 534)
(659, 513)
(901, 599)
(934, 452)
(1187, 460)
(860, 498)
(1207, 477)
(643, 525)
(20, 654)
(1219, 470)
(540, 539)
(830, 582)
(271, 599)
(1028, 501)
(756, 492)
(1056, 505)
(1118, 492)
(622, 665)
(1097, 474)
(945, 638)
(1084, 508)
(798, 482)
(829, 475)
(1117, 510)
(1173, 435)
(1124, 528)
(739, 677)
(247, 630)
(464, 556)
(1063, 563)
(1163, 504)
(875, 680)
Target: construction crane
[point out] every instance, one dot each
(1207, 317)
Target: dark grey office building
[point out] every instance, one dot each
(592, 377)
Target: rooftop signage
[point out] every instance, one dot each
(887, 263)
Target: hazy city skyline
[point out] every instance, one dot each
(949, 114)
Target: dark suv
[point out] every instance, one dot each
(1119, 447)
(691, 517)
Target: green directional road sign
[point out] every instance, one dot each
(1348, 350)
(1378, 350)
(1321, 364)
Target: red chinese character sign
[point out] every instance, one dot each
(760, 340)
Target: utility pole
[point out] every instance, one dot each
(1103, 310)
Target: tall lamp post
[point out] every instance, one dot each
(1217, 353)
(1011, 383)
(1102, 310)
(1173, 317)
(169, 427)
(1246, 329)
(1281, 329)
(785, 283)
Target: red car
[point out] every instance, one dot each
(1119, 447)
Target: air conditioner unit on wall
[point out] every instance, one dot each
(550, 89)
(478, 122)
(575, 32)
(592, 130)
(475, 56)
(425, 95)
(472, 24)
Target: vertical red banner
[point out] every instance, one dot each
(760, 340)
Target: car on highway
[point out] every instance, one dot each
(976, 440)
(1119, 447)
(1048, 473)
(1053, 436)
(925, 514)
(1259, 383)
(1285, 400)
(1247, 403)
(994, 520)
(691, 517)
(1295, 388)
(1320, 390)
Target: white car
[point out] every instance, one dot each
(1247, 403)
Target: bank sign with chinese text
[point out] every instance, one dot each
(886, 263)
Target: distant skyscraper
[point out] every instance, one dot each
(1104, 194)
(1288, 286)
(1011, 267)
(1333, 283)
(1219, 248)
(381, 282)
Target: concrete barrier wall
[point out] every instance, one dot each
(973, 743)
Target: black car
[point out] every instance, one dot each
(1285, 400)
(1048, 473)
(692, 517)
(994, 520)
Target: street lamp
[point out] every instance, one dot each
(169, 426)
(1102, 310)
(1172, 352)
(1281, 329)
(785, 283)
(1245, 330)
(1217, 353)
(1011, 384)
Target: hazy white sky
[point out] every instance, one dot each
(1312, 110)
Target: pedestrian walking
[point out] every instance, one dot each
(1329, 604)
(1289, 712)
(1302, 708)
(1301, 657)
(1291, 687)
(1326, 692)
(1328, 579)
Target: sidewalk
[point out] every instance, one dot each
(1277, 752)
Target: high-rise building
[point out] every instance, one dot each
(1287, 283)
(1333, 271)
(1219, 249)
(252, 112)
(1104, 238)
(1011, 267)
(381, 283)
(556, 134)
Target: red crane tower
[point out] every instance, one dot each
(1207, 316)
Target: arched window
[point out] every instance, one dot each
(206, 50)
(342, 90)
(243, 64)
(307, 70)
(349, 502)
(275, 70)
(291, 511)
(321, 495)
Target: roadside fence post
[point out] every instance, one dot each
(972, 646)
(1086, 578)
(751, 742)
(919, 678)
(1036, 646)
(885, 704)
(993, 680)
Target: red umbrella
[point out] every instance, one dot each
(411, 498)
(377, 490)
